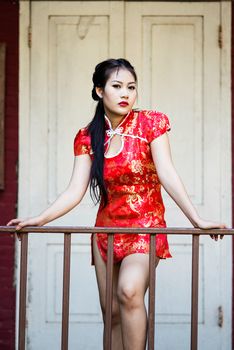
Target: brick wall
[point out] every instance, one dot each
(9, 33)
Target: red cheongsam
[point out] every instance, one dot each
(133, 187)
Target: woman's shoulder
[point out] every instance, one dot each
(152, 123)
(150, 114)
(83, 131)
(82, 141)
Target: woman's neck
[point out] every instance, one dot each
(115, 120)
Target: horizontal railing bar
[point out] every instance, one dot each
(126, 230)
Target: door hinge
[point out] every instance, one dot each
(29, 36)
(220, 36)
(220, 316)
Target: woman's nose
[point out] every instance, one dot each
(124, 93)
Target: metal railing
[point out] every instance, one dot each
(68, 231)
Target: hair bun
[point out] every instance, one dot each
(95, 95)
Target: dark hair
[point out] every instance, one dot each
(96, 127)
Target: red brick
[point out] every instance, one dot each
(4, 272)
(5, 314)
(5, 250)
(6, 324)
(5, 281)
(5, 238)
(6, 339)
(9, 196)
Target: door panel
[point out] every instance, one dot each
(69, 39)
(179, 60)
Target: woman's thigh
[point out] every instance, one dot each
(100, 269)
(134, 276)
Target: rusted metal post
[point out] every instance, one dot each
(23, 290)
(194, 301)
(151, 306)
(109, 293)
(66, 290)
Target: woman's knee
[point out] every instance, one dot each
(129, 295)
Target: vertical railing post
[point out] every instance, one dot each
(109, 293)
(151, 306)
(23, 290)
(194, 296)
(66, 290)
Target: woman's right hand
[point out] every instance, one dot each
(20, 223)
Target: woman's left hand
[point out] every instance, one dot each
(206, 225)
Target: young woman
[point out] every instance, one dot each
(125, 157)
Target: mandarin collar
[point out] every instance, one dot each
(126, 117)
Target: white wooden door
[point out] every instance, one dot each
(68, 40)
(180, 67)
(182, 72)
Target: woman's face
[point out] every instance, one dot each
(119, 93)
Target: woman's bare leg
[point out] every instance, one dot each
(100, 268)
(132, 285)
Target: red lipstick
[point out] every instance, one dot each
(123, 103)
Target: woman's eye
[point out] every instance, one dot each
(132, 87)
(116, 86)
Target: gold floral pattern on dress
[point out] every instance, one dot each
(134, 201)
(133, 186)
(136, 166)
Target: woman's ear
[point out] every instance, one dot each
(99, 91)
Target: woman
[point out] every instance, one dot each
(125, 156)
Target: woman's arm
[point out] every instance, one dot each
(172, 183)
(67, 200)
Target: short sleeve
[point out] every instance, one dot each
(157, 124)
(82, 143)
